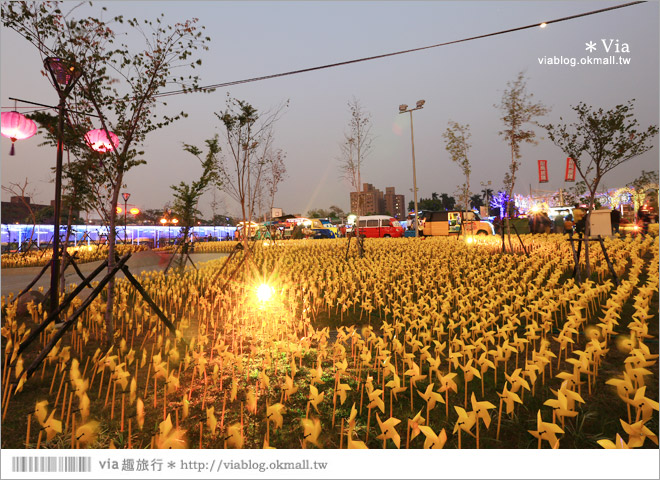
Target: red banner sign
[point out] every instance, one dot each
(543, 171)
(570, 170)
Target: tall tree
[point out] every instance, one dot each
(456, 143)
(518, 110)
(249, 136)
(357, 145)
(187, 195)
(642, 185)
(476, 201)
(598, 142)
(119, 84)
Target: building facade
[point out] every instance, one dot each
(395, 204)
(374, 202)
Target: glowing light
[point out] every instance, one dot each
(99, 141)
(469, 240)
(163, 221)
(134, 211)
(119, 209)
(264, 292)
(543, 25)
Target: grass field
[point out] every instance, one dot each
(427, 343)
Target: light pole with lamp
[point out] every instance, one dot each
(163, 221)
(404, 109)
(64, 75)
(126, 196)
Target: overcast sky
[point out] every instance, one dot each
(459, 82)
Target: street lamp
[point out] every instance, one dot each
(64, 74)
(126, 196)
(163, 221)
(403, 108)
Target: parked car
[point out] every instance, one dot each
(379, 226)
(449, 223)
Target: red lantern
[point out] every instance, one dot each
(17, 127)
(98, 140)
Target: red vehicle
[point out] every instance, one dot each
(380, 226)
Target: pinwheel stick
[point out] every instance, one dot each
(27, 435)
(201, 432)
(73, 431)
(341, 435)
(39, 439)
(368, 422)
(130, 440)
(499, 420)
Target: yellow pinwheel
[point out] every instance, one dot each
(51, 426)
(274, 415)
(433, 441)
(315, 397)
(388, 430)
(86, 434)
(211, 421)
(311, 431)
(464, 422)
(234, 436)
(395, 385)
(617, 444)
(139, 409)
(546, 431)
(645, 406)
(638, 433)
(341, 390)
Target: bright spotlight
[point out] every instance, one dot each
(264, 292)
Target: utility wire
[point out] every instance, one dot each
(348, 62)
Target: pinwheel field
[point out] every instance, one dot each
(427, 343)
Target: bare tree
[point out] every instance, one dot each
(356, 146)
(249, 136)
(276, 174)
(599, 142)
(518, 110)
(456, 143)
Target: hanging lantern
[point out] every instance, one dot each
(134, 211)
(98, 140)
(17, 127)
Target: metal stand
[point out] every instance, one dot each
(120, 265)
(360, 244)
(576, 256)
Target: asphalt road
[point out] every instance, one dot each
(16, 279)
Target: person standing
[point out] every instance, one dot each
(615, 219)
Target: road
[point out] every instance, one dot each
(16, 279)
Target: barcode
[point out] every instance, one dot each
(51, 464)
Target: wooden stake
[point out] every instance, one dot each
(499, 420)
(68, 412)
(368, 423)
(73, 431)
(130, 440)
(27, 435)
(123, 402)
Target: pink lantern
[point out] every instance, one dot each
(17, 127)
(98, 140)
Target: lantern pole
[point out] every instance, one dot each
(64, 77)
(126, 196)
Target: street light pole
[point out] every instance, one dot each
(403, 109)
(126, 196)
(64, 75)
